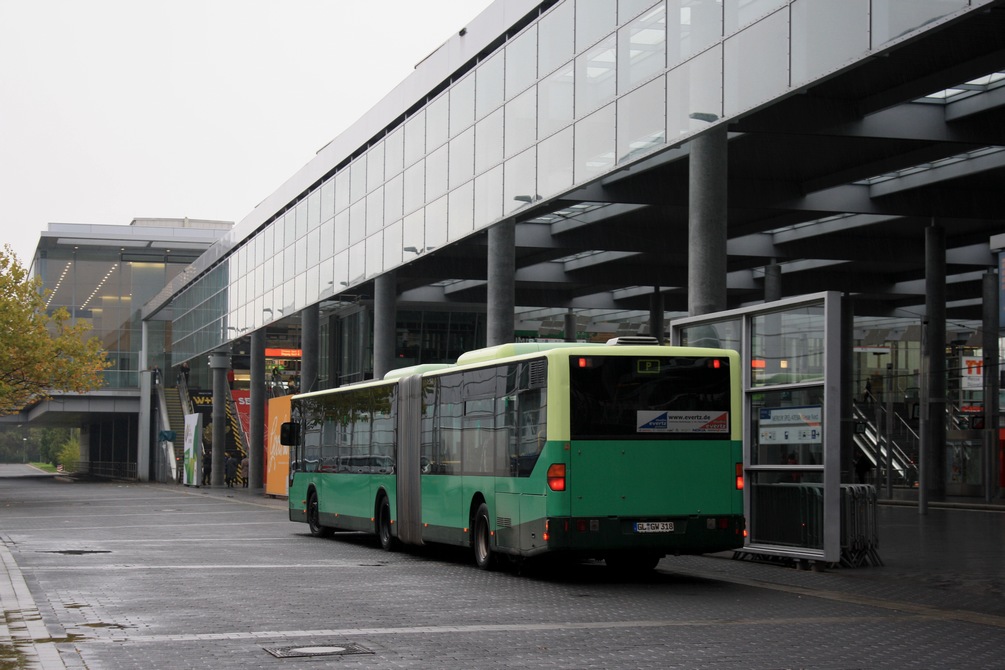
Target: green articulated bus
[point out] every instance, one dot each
(621, 452)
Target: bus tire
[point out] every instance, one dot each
(388, 542)
(314, 517)
(481, 539)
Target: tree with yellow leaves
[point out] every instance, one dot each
(40, 353)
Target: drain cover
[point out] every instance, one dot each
(317, 650)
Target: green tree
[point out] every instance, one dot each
(69, 454)
(50, 441)
(40, 352)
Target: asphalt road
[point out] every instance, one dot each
(108, 576)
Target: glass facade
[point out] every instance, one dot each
(586, 86)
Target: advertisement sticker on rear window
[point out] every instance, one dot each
(681, 422)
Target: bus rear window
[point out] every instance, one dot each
(625, 397)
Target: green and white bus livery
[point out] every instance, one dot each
(626, 453)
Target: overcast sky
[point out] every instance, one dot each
(112, 110)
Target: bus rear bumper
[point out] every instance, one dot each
(698, 534)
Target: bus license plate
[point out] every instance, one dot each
(654, 526)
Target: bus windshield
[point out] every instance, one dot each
(649, 397)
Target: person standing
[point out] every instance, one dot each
(185, 370)
(230, 470)
(207, 466)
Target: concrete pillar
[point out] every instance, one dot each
(935, 354)
(706, 264)
(309, 334)
(990, 328)
(385, 299)
(219, 363)
(501, 299)
(570, 326)
(256, 437)
(656, 314)
(772, 282)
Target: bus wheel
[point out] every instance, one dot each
(314, 518)
(388, 542)
(481, 539)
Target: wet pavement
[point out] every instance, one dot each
(109, 575)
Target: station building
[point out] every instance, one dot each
(578, 169)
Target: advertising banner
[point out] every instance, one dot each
(277, 456)
(193, 452)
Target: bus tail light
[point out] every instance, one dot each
(547, 526)
(739, 476)
(556, 476)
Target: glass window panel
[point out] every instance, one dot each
(393, 199)
(375, 211)
(394, 153)
(521, 122)
(462, 104)
(326, 281)
(555, 101)
(392, 245)
(300, 291)
(488, 197)
(788, 347)
(642, 48)
(462, 158)
(357, 263)
(357, 179)
(413, 234)
(893, 18)
(436, 173)
(556, 44)
(327, 199)
(555, 163)
(326, 241)
(520, 181)
(375, 166)
(629, 9)
(595, 143)
(357, 222)
(694, 94)
(436, 224)
(289, 262)
(489, 85)
(489, 142)
(278, 267)
(341, 230)
(594, 19)
(311, 279)
(521, 62)
(756, 64)
(415, 137)
(460, 211)
(641, 120)
(340, 270)
(375, 254)
(313, 247)
(437, 116)
(740, 13)
(289, 229)
(596, 76)
(827, 35)
(341, 190)
(301, 218)
(692, 26)
(414, 187)
(314, 209)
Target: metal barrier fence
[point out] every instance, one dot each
(791, 515)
